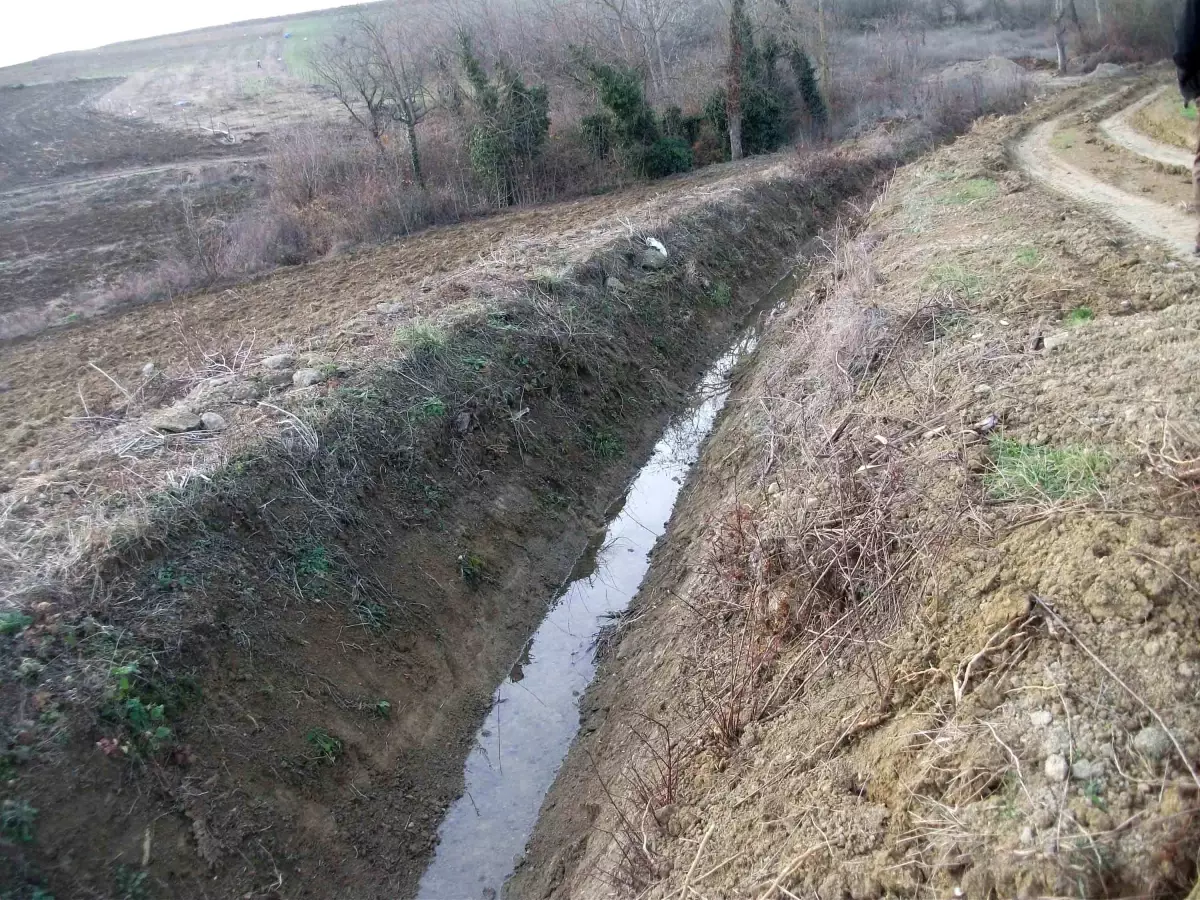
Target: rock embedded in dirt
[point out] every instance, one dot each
(1107, 70)
(213, 421)
(1152, 742)
(307, 377)
(1056, 341)
(148, 370)
(1086, 769)
(279, 361)
(1056, 767)
(652, 259)
(1041, 717)
(615, 285)
(175, 421)
(277, 379)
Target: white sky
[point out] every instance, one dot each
(34, 28)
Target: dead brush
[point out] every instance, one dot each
(821, 576)
(1175, 456)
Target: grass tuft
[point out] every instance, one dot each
(1028, 256)
(605, 445)
(421, 338)
(1025, 472)
(973, 190)
(954, 279)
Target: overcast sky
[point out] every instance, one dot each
(34, 28)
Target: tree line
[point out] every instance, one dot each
(390, 78)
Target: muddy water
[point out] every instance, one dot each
(535, 713)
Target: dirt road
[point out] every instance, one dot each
(1120, 131)
(1173, 227)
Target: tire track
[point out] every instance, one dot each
(1153, 220)
(1117, 128)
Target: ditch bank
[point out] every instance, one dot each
(925, 622)
(270, 690)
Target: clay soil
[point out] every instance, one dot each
(879, 654)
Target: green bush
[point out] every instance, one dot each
(810, 93)
(511, 123)
(667, 156)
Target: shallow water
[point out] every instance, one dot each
(535, 714)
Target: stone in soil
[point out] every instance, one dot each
(1152, 742)
(279, 361)
(175, 421)
(307, 377)
(1056, 767)
(652, 259)
(213, 421)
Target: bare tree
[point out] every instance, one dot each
(378, 74)
(733, 91)
(644, 28)
(1065, 14)
(347, 68)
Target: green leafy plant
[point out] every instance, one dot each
(431, 408)
(511, 122)
(17, 819)
(806, 82)
(382, 709)
(168, 578)
(472, 568)
(13, 621)
(1026, 472)
(313, 562)
(131, 883)
(1079, 315)
(327, 747)
(668, 156)
(373, 616)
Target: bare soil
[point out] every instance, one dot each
(860, 667)
(87, 198)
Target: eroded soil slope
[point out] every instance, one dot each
(926, 621)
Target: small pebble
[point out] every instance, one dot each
(1056, 768)
(1152, 742)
